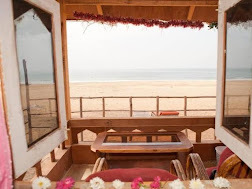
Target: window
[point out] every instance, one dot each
(33, 29)
(238, 76)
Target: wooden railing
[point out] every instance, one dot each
(130, 110)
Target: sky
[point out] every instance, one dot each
(100, 46)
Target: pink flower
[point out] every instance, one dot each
(137, 183)
(67, 183)
(156, 183)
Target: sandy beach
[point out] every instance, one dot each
(119, 107)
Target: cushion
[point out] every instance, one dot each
(210, 170)
(224, 155)
(169, 113)
(128, 175)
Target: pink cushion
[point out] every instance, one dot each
(210, 170)
(224, 155)
(128, 175)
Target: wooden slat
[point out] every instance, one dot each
(207, 3)
(99, 9)
(190, 12)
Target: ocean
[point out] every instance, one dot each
(139, 75)
(153, 75)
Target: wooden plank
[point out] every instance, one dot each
(207, 122)
(82, 154)
(99, 9)
(60, 168)
(205, 3)
(190, 12)
(235, 183)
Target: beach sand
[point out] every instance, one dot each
(120, 107)
(143, 88)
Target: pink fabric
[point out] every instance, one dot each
(5, 155)
(128, 175)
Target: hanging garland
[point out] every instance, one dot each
(138, 22)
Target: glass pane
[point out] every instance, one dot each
(36, 70)
(238, 83)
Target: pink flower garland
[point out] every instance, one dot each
(135, 21)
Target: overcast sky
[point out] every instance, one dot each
(127, 46)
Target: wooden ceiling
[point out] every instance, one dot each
(203, 10)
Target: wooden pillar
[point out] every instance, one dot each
(157, 111)
(65, 58)
(198, 136)
(131, 108)
(185, 106)
(52, 154)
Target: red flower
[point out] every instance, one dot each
(156, 183)
(67, 183)
(137, 183)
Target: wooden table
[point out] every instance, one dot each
(137, 149)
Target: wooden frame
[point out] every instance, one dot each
(24, 157)
(183, 144)
(242, 150)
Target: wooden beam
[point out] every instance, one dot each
(65, 58)
(207, 3)
(190, 12)
(99, 9)
(144, 2)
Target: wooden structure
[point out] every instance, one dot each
(78, 152)
(129, 150)
(204, 10)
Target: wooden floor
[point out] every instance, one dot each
(79, 172)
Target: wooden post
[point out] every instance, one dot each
(157, 99)
(52, 154)
(103, 107)
(27, 100)
(185, 106)
(81, 111)
(131, 109)
(185, 113)
(38, 169)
